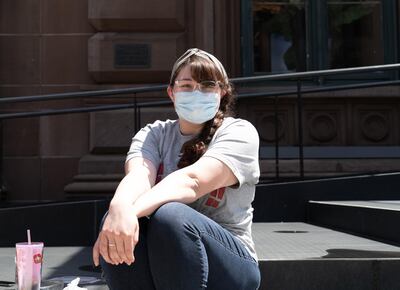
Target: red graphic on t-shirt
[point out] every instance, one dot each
(160, 173)
(215, 197)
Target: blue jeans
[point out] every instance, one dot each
(180, 248)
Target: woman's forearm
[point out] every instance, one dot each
(130, 188)
(177, 186)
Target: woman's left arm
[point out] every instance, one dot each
(186, 185)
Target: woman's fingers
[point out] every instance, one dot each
(103, 246)
(96, 253)
(112, 249)
(120, 249)
(117, 241)
(128, 242)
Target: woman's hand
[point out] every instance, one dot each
(119, 236)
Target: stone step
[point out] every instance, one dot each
(300, 256)
(102, 164)
(92, 186)
(95, 177)
(292, 256)
(372, 218)
(288, 201)
(90, 190)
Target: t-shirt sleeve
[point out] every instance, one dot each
(237, 146)
(146, 144)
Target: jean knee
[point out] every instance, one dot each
(168, 219)
(169, 213)
(255, 278)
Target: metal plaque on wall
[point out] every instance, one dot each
(129, 55)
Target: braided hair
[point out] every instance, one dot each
(203, 69)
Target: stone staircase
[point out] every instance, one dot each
(98, 177)
(300, 256)
(292, 255)
(377, 219)
(333, 234)
(338, 233)
(99, 174)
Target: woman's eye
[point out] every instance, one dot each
(186, 86)
(208, 85)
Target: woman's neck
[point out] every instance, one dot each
(188, 128)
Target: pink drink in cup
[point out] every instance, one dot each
(29, 265)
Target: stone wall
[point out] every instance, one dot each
(363, 117)
(43, 49)
(49, 46)
(72, 45)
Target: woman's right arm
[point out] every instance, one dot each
(121, 226)
(140, 177)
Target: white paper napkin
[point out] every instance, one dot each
(73, 285)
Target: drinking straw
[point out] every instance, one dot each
(29, 236)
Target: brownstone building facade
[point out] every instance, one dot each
(49, 46)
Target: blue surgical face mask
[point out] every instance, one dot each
(196, 107)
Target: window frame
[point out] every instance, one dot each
(316, 39)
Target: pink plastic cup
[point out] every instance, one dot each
(29, 265)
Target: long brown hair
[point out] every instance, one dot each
(203, 69)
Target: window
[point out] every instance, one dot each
(279, 36)
(354, 34)
(299, 35)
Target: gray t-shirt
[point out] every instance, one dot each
(236, 144)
